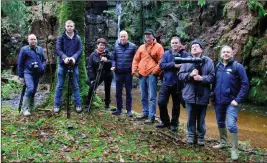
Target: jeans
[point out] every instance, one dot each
(148, 85)
(107, 78)
(61, 75)
(164, 95)
(223, 110)
(196, 119)
(121, 79)
(31, 83)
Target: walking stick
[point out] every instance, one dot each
(21, 96)
(99, 71)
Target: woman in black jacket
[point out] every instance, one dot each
(99, 63)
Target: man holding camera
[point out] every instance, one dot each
(197, 77)
(171, 85)
(31, 65)
(69, 50)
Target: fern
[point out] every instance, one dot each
(256, 6)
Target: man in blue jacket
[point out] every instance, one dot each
(231, 85)
(198, 79)
(69, 50)
(122, 59)
(31, 65)
(171, 85)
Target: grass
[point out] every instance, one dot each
(98, 136)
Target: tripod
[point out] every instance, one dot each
(95, 84)
(70, 76)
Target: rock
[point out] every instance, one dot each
(112, 28)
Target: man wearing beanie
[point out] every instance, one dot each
(146, 66)
(197, 78)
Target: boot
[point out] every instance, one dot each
(31, 107)
(223, 139)
(234, 140)
(25, 106)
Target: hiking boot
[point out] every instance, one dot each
(117, 112)
(149, 121)
(162, 125)
(78, 109)
(107, 107)
(56, 109)
(142, 117)
(190, 141)
(173, 128)
(223, 139)
(129, 114)
(26, 113)
(200, 142)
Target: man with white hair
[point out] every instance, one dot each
(122, 59)
(31, 65)
(230, 87)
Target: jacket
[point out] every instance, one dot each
(93, 65)
(231, 83)
(197, 92)
(167, 65)
(67, 47)
(122, 57)
(26, 59)
(143, 63)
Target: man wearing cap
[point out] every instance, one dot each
(146, 66)
(197, 78)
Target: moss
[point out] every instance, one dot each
(248, 47)
(256, 6)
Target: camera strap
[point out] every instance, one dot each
(149, 53)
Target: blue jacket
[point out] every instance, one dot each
(93, 64)
(231, 83)
(122, 57)
(27, 56)
(67, 47)
(167, 64)
(197, 92)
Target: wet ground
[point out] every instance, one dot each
(252, 120)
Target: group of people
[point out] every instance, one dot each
(192, 82)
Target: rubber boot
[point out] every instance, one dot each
(223, 139)
(31, 107)
(26, 106)
(234, 140)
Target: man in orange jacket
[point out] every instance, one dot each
(146, 67)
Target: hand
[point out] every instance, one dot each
(104, 59)
(198, 78)
(178, 65)
(136, 74)
(22, 80)
(113, 68)
(73, 60)
(194, 72)
(234, 103)
(66, 60)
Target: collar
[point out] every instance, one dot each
(70, 36)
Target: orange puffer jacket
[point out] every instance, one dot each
(143, 63)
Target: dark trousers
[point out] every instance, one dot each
(164, 95)
(107, 81)
(121, 80)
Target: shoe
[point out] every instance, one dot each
(107, 107)
(117, 112)
(112, 109)
(129, 114)
(173, 128)
(190, 141)
(200, 142)
(223, 139)
(141, 117)
(56, 109)
(79, 109)
(26, 113)
(149, 121)
(162, 125)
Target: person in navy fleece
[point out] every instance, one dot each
(171, 85)
(31, 65)
(69, 50)
(122, 59)
(231, 86)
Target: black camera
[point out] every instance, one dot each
(179, 60)
(35, 65)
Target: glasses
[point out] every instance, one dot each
(69, 26)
